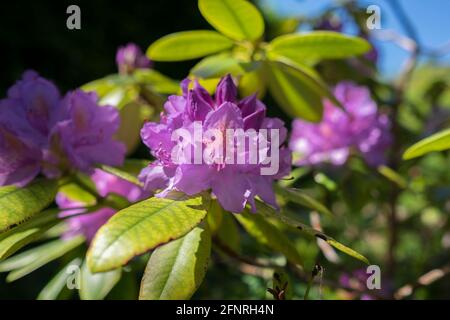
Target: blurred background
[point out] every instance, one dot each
(33, 35)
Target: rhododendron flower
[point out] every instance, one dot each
(130, 57)
(234, 184)
(361, 128)
(40, 132)
(84, 135)
(88, 224)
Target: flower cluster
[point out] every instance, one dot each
(87, 224)
(234, 185)
(42, 132)
(130, 57)
(360, 127)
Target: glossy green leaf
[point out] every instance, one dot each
(28, 261)
(296, 92)
(96, 286)
(437, 142)
(302, 198)
(269, 212)
(267, 234)
(176, 269)
(52, 290)
(217, 66)
(19, 204)
(302, 47)
(27, 232)
(142, 227)
(188, 45)
(159, 82)
(237, 19)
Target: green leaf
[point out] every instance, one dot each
(27, 232)
(96, 286)
(229, 232)
(76, 193)
(299, 94)
(237, 19)
(176, 269)
(217, 66)
(159, 82)
(121, 173)
(19, 204)
(269, 235)
(302, 198)
(317, 45)
(437, 142)
(215, 216)
(28, 261)
(108, 84)
(393, 176)
(142, 227)
(269, 212)
(53, 289)
(188, 45)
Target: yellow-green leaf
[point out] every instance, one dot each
(96, 286)
(302, 47)
(27, 232)
(437, 142)
(142, 227)
(188, 45)
(176, 269)
(52, 290)
(296, 92)
(217, 66)
(19, 204)
(237, 19)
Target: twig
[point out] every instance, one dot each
(424, 280)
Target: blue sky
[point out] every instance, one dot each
(430, 18)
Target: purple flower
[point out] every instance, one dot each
(360, 128)
(130, 57)
(233, 183)
(84, 136)
(88, 224)
(39, 132)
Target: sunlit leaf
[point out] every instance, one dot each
(121, 173)
(19, 204)
(142, 227)
(52, 290)
(237, 19)
(176, 269)
(188, 45)
(302, 47)
(217, 66)
(159, 82)
(96, 286)
(302, 198)
(27, 232)
(28, 261)
(296, 92)
(437, 142)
